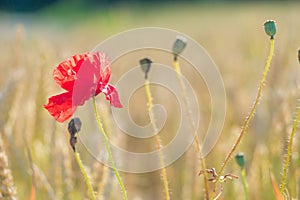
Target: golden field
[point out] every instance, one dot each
(37, 147)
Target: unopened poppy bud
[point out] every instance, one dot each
(74, 126)
(270, 28)
(299, 55)
(240, 159)
(73, 141)
(179, 45)
(145, 65)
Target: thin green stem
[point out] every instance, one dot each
(251, 114)
(289, 153)
(157, 140)
(244, 181)
(85, 175)
(192, 126)
(109, 150)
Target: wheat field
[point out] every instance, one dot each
(37, 147)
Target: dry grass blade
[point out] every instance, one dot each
(33, 187)
(275, 187)
(6, 95)
(43, 181)
(32, 193)
(218, 196)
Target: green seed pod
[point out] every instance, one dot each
(240, 159)
(145, 65)
(270, 28)
(179, 45)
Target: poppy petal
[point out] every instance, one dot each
(61, 106)
(112, 95)
(102, 66)
(66, 72)
(105, 68)
(86, 84)
(105, 74)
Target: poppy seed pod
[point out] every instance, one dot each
(179, 45)
(270, 28)
(145, 65)
(240, 159)
(74, 126)
(73, 141)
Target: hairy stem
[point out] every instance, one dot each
(157, 140)
(252, 112)
(85, 175)
(192, 126)
(109, 150)
(245, 185)
(289, 153)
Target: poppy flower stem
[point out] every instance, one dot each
(74, 127)
(109, 150)
(192, 126)
(251, 114)
(244, 182)
(290, 145)
(85, 175)
(157, 140)
(240, 160)
(289, 153)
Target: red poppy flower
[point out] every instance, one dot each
(82, 76)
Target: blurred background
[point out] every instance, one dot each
(37, 35)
